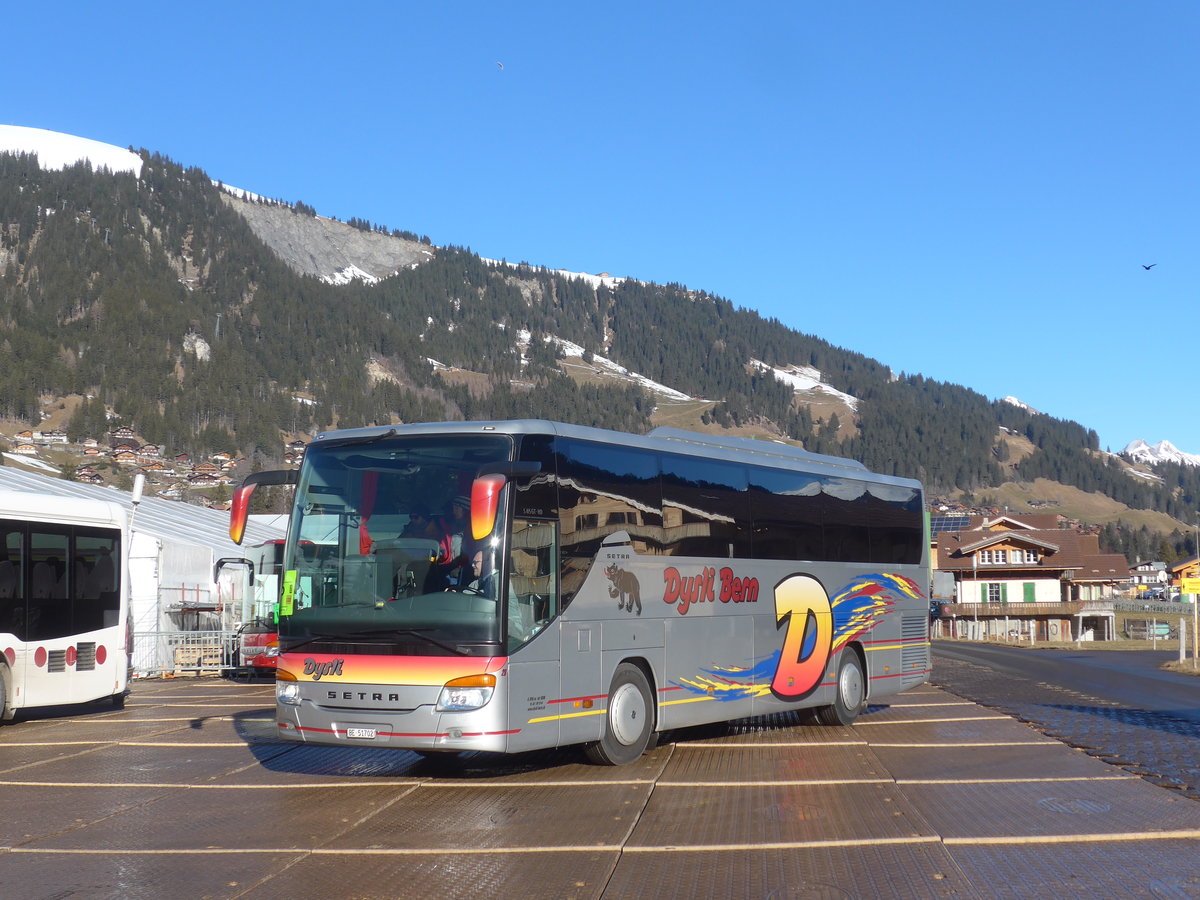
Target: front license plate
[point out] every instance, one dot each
(365, 734)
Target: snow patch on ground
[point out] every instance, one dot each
(30, 461)
(805, 380)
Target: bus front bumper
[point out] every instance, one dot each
(334, 718)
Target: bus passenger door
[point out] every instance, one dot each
(533, 641)
(582, 695)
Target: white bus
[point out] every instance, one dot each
(507, 586)
(64, 610)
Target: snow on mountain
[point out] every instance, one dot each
(57, 151)
(605, 367)
(595, 281)
(1163, 451)
(1020, 404)
(348, 274)
(805, 380)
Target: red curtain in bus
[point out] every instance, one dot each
(370, 487)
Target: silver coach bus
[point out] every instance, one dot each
(507, 586)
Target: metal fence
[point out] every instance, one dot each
(167, 653)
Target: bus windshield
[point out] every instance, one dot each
(380, 557)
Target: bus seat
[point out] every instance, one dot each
(45, 582)
(8, 579)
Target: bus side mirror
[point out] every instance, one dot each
(232, 561)
(239, 512)
(485, 503)
(486, 490)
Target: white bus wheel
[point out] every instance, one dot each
(850, 697)
(629, 721)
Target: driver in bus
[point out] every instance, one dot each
(519, 628)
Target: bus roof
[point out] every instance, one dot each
(672, 440)
(61, 510)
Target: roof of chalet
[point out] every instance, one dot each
(1063, 550)
(1183, 564)
(991, 538)
(164, 520)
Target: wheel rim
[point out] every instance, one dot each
(627, 714)
(850, 686)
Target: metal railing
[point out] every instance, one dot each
(162, 653)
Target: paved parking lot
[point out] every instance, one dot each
(187, 793)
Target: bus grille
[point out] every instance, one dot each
(914, 653)
(85, 657)
(57, 661)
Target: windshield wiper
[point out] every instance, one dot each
(360, 441)
(373, 632)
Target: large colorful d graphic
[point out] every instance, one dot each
(802, 607)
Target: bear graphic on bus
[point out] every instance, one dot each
(624, 588)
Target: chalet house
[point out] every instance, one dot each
(1152, 574)
(183, 458)
(1188, 568)
(87, 443)
(52, 437)
(205, 469)
(125, 457)
(25, 449)
(124, 434)
(220, 458)
(1028, 576)
(25, 435)
(204, 480)
(151, 451)
(91, 451)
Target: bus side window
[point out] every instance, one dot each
(12, 596)
(533, 575)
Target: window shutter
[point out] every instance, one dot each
(1030, 592)
(1003, 593)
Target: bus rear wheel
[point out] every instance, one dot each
(629, 722)
(850, 698)
(5, 713)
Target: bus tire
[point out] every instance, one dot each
(118, 700)
(850, 696)
(5, 713)
(629, 721)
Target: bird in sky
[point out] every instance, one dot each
(500, 64)
(1149, 267)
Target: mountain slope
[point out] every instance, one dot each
(113, 283)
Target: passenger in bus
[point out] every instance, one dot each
(418, 524)
(450, 567)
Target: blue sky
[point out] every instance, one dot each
(962, 190)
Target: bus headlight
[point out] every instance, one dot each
(288, 692)
(469, 692)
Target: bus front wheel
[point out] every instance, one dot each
(629, 721)
(850, 698)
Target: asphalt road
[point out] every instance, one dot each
(1116, 705)
(189, 793)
